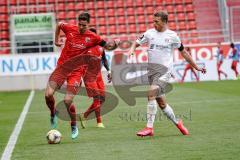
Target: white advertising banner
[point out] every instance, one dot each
(35, 64)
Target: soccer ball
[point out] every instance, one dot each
(54, 137)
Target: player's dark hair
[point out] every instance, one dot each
(93, 30)
(163, 15)
(85, 16)
(232, 45)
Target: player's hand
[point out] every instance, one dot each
(58, 44)
(109, 77)
(203, 70)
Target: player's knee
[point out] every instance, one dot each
(68, 101)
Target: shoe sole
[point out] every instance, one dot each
(139, 135)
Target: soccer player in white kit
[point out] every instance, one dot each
(161, 44)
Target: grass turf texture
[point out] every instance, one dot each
(210, 110)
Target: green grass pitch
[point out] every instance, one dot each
(210, 110)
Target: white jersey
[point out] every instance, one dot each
(161, 46)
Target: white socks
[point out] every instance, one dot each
(151, 112)
(168, 111)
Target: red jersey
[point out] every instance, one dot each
(76, 43)
(96, 51)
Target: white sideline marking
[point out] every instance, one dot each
(14, 136)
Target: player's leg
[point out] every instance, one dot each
(234, 67)
(50, 101)
(151, 112)
(195, 74)
(73, 86)
(168, 111)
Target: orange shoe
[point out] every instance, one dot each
(145, 132)
(181, 127)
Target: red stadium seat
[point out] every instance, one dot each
(5, 51)
(91, 12)
(112, 29)
(182, 26)
(150, 10)
(71, 6)
(170, 9)
(101, 21)
(101, 13)
(41, 1)
(100, 4)
(122, 29)
(194, 33)
(4, 43)
(121, 20)
(110, 4)
(93, 21)
(159, 2)
(110, 12)
(168, 2)
(120, 3)
(189, 8)
(179, 1)
(130, 11)
(192, 25)
(141, 19)
(160, 7)
(112, 20)
(31, 1)
(191, 16)
(140, 10)
(188, 1)
(4, 26)
(42, 8)
(149, 3)
(61, 7)
(50, 1)
(142, 27)
(132, 28)
(131, 19)
(139, 3)
(79, 6)
(171, 17)
(4, 17)
(172, 26)
(195, 41)
(129, 3)
(71, 15)
(72, 21)
(89, 5)
(150, 19)
(4, 35)
(3, 2)
(185, 41)
(181, 17)
(3, 9)
(103, 30)
(13, 2)
(180, 8)
(61, 15)
(120, 12)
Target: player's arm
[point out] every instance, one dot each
(105, 64)
(189, 59)
(57, 34)
(133, 48)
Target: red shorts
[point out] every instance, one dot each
(95, 88)
(74, 80)
(234, 64)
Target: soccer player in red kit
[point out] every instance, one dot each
(235, 58)
(189, 67)
(78, 40)
(220, 58)
(99, 99)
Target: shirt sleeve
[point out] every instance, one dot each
(64, 27)
(143, 38)
(176, 42)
